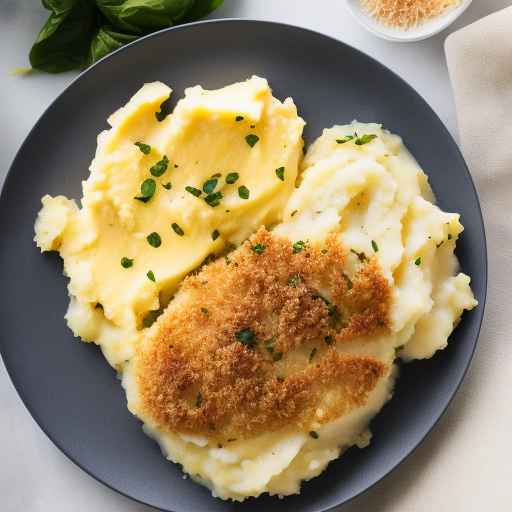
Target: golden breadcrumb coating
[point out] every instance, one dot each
(249, 344)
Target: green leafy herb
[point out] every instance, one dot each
(151, 316)
(199, 399)
(239, 118)
(298, 246)
(79, 32)
(348, 281)
(417, 261)
(294, 281)
(151, 276)
(329, 340)
(364, 139)
(98, 305)
(312, 355)
(160, 167)
(147, 190)
(209, 185)
(344, 139)
(177, 229)
(246, 337)
(439, 244)
(167, 185)
(314, 434)
(243, 192)
(360, 255)
(154, 239)
(126, 262)
(232, 177)
(145, 148)
(252, 139)
(213, 199)
(216, 175)
(258, 248)
(449, 236)
(192, 190)
(204, 311)
(280, 173)
(375, 247)
(293, 213)
(215, 234)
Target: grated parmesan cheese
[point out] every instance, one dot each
(406, 13)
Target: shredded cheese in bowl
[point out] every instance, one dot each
(406, 14)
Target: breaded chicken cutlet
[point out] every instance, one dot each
(250, 343)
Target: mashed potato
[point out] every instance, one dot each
(270, 361)
(163, 195)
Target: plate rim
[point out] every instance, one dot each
(467, 175)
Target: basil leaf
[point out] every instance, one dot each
(106, 40)
(64, 41)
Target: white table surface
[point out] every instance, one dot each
(461, 466)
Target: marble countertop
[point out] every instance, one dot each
(453, 470)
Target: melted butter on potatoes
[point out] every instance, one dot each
(164, 195)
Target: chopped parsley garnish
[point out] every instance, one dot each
(360, 255)
(258, 248)
(177, 229)
(375, 247)
(209, 185)
(216, 175)
(253, 126)
(329, 339)
(293, 213)
(294, 281)
(154, 239)
(243, 192)
(204, 311)
(277, 356)
(314, 434)
(167, 185)
(417, 261)
(164, 108)
(280, 173)
(280, 378)
(344, 139)
(144, 148)
(215, 234)
(439, 244)
(151, 276)
(312, 355)
(213, 199)
(232, 177)
(150, 317)
(252, 139)
(192, 190)
(348, 281)
(98, 305)
(239, 118)
(147, 190)
(126, 262)
(160, 167)
(298, 246)
(199, 399)
(364, 139)
(449, 236)
(246, 337)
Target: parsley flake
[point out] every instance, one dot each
(144, 148)
(280, 173)
(314, 434)
(243, 192)
(167, 185)
(239, 118)
(209, 185)
(151, 276)
(329, 340)
(252, 139)
(375, 247)
(246, 337)
(298, 246)
(192, 190)
(213, 199)
(215, 234)
(364, 139)
(126, 262)
(417, 261)
(312, 355)
(160, 167)
(344, 139)
(204, 311)
(154, 239)
(199, 399)
(147, 190)
(449, 236)
(294, 281)
(360, 255)
(151, 317)
(258, 248)
(293, 213)
(177, 229)
(232, 177)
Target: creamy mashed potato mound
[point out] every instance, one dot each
(272, 356)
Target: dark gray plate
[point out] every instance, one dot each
(68, 387)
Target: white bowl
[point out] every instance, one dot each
(422, 31)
